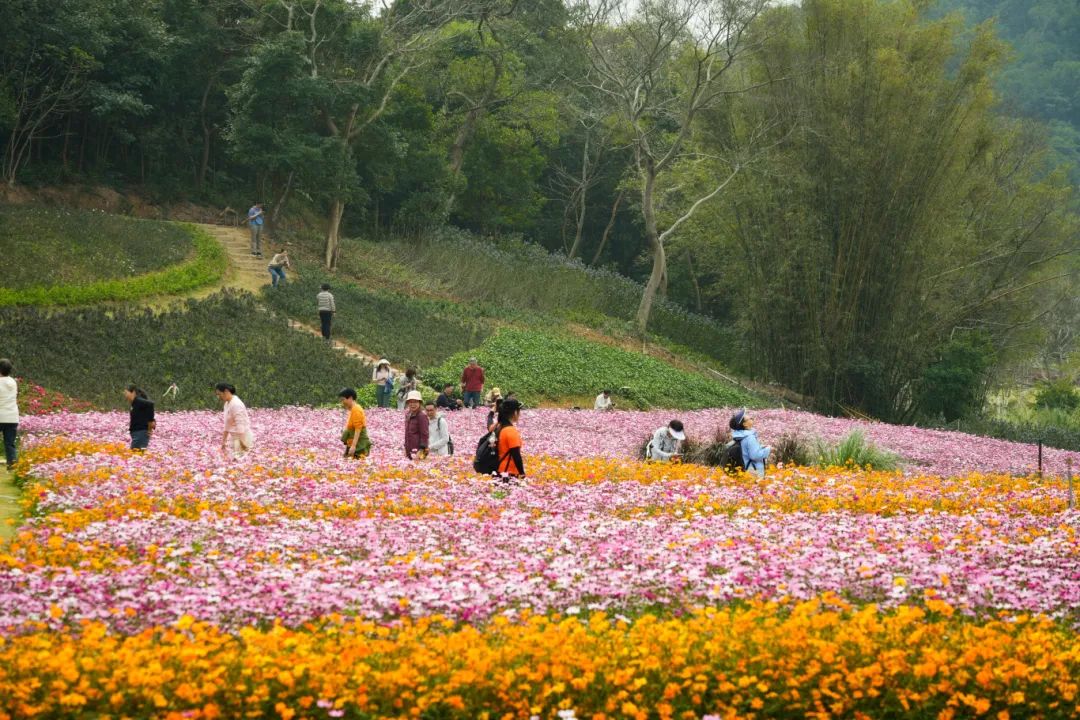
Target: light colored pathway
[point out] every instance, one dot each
(9, 505)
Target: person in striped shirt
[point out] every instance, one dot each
(327, 308)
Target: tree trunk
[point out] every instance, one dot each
(609, 227)
(659, 267)
(457, 152)
(333, 227)
(652, 235)
(207, 131)
(694, 280)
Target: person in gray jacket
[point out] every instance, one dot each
(666, 442)
(438, 432)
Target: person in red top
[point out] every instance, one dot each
(510, 462)
(472, 383)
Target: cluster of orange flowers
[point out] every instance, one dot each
(818, 659)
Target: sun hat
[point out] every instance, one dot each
(383, 361)
(472, 359)
(495, 394)
(414, 395)
(675, 428)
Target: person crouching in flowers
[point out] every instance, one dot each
(416, 426)
(754, 454)
(666, 443)
(142, 421)
(237, 437)
(355, 434)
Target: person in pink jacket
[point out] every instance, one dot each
(237, 437)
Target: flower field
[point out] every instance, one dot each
(296, 583)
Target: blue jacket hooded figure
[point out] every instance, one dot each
(753, 453)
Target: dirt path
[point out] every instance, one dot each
(350, 350)
(9, 505)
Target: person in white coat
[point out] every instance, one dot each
(666, 442)
(439, 442)
(603, 401)
(237, 437)
(9, 411)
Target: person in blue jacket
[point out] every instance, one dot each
(754, 454)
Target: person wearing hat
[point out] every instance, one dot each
(355, 435)
(754, 454)
(603, 401)
(472, 383)
(383, 378)
(416, 426)
(494, 400)
(510, 460)
(407, 386)
(666, 442)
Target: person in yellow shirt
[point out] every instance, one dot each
(355, 435)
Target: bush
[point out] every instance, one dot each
(92, 354)
(406, 330)
(53, 246)
(955, 385)
(791, 450)
(1057, 395)
(1054, 428)
(540, 366)
(206, 267)
(855, 451)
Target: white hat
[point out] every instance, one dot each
(677, 434)
(383, 361)
(414, 395)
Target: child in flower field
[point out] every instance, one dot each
(355, 435)
(510, 460)
(9, 410)
(142, 421)
(237, 437)
(754, 454)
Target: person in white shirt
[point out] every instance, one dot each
(9, 411)
(603, 401)
(666, 442)
(237, 437)
(439, 442)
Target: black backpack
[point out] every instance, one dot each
(486, 460)
(732, 458)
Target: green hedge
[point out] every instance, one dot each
(205, 268)
(406, 330)
(92, 353)
(539, 366)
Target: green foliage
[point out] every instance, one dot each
(406, 330)
(92, 354)
(855, 451)
(955, 385)
(539, 366)
(1054, 428)
(1057, 395)
(206, 267)
(791, 449)
(45, 246)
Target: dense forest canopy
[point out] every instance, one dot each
(874, 192)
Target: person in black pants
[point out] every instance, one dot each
(142, 417)
(9, 411)
(327, 308)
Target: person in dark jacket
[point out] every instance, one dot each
(416, 426)
(142, 421)
(446, 400)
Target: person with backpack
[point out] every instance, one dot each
(510, 461)
(141, 422)
(751, 455)
(355, 434)
(416, 427)
(666, 442)
(439, 442)
(383, 377)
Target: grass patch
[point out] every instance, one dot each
(854, 451)
(541, 366)
(206, 267)
(406, 330)
(92, 353)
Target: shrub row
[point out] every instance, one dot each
(92, 353)
(206, 267)
(406, 330)
(541, 366)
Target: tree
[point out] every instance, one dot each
(660, 65)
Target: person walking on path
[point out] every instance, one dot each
(383, 377)
(510, 461)
(603, 401)
(255, 218)
(416, 427)
(446, 399)
(472, 383)
(237, 437)
(9, 412)
(327, 308)
(142, 422)
(278, 264)
(355, 434)
(754, 454)
(439, 442)
(666, 442)
(409, 384)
